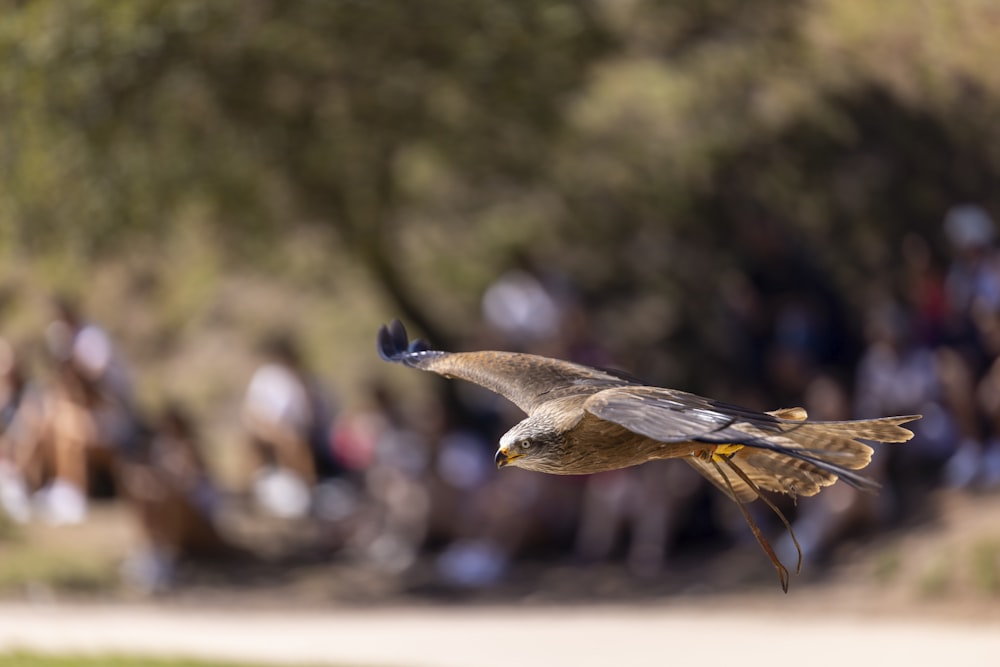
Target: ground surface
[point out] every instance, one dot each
(27, 659)
(926, 595)
(721, 633)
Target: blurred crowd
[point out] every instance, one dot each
(393, 481)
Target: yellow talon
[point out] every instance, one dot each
(725, 451)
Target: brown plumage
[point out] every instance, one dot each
(585, 420)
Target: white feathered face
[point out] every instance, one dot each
(532, 444)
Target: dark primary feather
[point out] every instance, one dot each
(394, 345)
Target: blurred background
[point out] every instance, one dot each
(207, 209)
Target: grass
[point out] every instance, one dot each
(72, 559)
(938, 579)
(61, 572)
(9, 531)
(23, 659)
(986, 566)
(888, 566)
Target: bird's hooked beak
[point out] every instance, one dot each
(504, 457)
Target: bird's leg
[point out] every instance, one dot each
(761, 540)
(724, 454)
(774, 508)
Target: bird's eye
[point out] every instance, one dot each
(525, 444)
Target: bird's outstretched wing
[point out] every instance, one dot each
(793, 456)
(527, 380)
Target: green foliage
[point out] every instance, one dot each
(317, 97)
(272, 114)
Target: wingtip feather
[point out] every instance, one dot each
(394, 345)
(399, 337)
(392, 341)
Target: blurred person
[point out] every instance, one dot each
(897, 373)
(647, 504)
(13, 384)
(973, 292)
(822, 521)
(783, 318)
(988, 399)
(86, 350)
(175, 450)
(90, 416)
(356, 432)
(523, 305)
(487, 516)
(174, 500)
(384, 490)
(286, 415)
(20, 413)
(925, 291)
(72, 450)
(976, 465)
(796, 346)
(973, 279)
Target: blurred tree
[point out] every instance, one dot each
(636, 147)
(274, 111)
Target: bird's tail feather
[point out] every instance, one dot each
(806, 455)
(799, 460)
(883, 429)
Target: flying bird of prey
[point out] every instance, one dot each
(585, 420)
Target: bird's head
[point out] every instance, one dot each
(532, 444)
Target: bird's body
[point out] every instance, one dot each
(584, 420)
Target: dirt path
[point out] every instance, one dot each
(504, 636)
